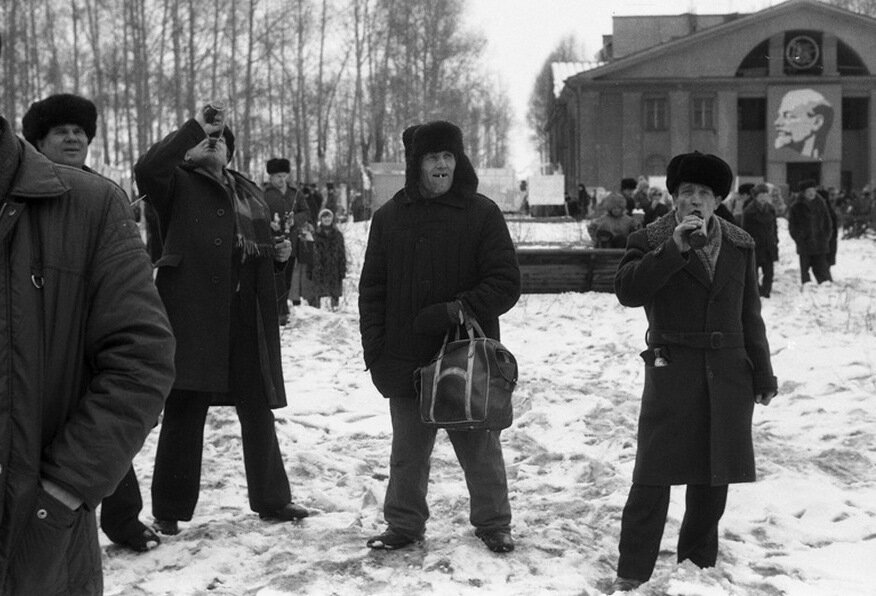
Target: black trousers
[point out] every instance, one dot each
(177, 478)
(766, 281)
(120, 510)
(643, 520)
(480, 455)
(819, 265)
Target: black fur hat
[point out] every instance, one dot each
(278, 165)
(629, 184)
(56, 110)
(408, 139)
(804, 184)
(433, 137)
(699, 168)
(745, 189)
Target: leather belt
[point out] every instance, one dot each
(705, 340)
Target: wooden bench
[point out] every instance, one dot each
(574, 269)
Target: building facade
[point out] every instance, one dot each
(783, 95)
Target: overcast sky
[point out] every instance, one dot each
(521, 33)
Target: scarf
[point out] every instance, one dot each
(252, 229)
(709, 253)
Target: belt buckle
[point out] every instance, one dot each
(716, 340)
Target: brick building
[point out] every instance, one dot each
(782, 95)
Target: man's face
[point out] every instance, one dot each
(65, 144)
(796, 122)
(695, 199)
(810, 193)
(279, 180)
(762, 198)
(436, 173)
(209, 153)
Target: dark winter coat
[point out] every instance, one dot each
(329, 261)
(87, 363)
(760, 223)
(695, 420)
(199, 268)
(422, 252)
(810, 226)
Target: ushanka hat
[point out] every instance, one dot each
(278, 165)
(804, 184)
(57, 110)
(699, 168)
(433, 137)
(629, 184)
(408, 139)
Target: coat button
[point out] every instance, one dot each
(215, 279)
(42, 513)
(218, 241)
(220, 212)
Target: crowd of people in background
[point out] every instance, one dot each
(817, 218)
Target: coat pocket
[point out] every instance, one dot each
(42, 562)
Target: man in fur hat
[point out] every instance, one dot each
(435, 248)
(87, 353)
(288, 208)
(707, 364)
(61, 127)
(216, 278)
(811, 228)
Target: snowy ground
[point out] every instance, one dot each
(808, 526)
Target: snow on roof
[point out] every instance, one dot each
(560, 71)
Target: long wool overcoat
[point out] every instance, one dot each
(760, 222)
(195, 276)
(695, 418)
(87, 361)
(810, 226)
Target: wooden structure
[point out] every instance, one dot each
(555, 270)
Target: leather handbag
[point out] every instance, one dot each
(468, 385)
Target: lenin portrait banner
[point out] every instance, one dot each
(804, 123)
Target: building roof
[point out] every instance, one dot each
(691, 51)
(560, 71)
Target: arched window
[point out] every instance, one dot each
(757, 62)
(848, 63)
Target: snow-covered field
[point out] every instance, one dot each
(808, 526)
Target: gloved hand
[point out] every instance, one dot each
(437, 318)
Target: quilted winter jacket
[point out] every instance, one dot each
(422, 252)
(87, 357)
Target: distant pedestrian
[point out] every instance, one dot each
(759, 219)
(628, 188)
(810, 226)
(612, 229)
(329, 260)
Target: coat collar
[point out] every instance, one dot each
(451, 198)
(36, 176)
(733, 240)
